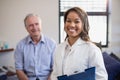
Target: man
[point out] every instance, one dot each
(34, 53)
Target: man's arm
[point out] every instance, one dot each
(49, 76)
(21, 75)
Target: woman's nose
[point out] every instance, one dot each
(72, 24)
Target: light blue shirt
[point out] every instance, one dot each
(35, 60)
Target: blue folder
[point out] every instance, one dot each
(89, 74)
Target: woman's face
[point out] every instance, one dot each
(73, 25)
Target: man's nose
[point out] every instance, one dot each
(34, 25)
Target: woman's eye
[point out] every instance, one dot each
(68, 21)
(77, 21)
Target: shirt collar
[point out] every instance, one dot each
(78, 42)
(29, 40)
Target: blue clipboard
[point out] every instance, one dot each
(89, 74)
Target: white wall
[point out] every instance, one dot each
(12, 13)
(114, 29)
(115, 34)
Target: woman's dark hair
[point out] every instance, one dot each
(84, 18)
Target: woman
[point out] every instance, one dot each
(77, 53)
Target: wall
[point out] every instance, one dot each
(12, 28)
(114, 28)
(115, 34)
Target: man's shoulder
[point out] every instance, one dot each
(49, 40)
(23, 40)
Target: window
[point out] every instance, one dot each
(97, 11)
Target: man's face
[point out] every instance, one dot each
(33, 26)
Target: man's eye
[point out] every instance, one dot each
(36, 23)
(30, 25)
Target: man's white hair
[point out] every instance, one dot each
(29, 15)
